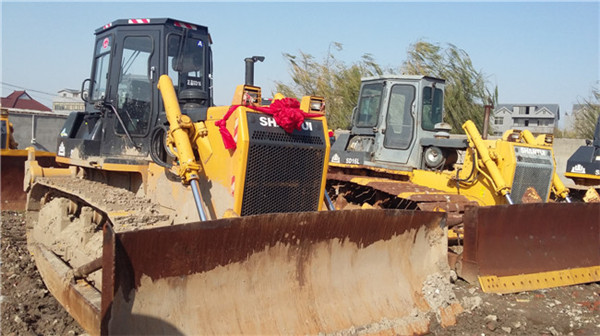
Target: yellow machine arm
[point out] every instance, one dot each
(182, 130)
(495, 175)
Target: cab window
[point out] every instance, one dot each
(101, 66)
(135, 87)
(4, 140)
(433, 105)
(186, 63)
(368, 105)
(399, 119)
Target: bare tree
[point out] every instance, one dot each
(467, 89)
(587, 117)
(330, 78)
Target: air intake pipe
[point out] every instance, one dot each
(250, 68)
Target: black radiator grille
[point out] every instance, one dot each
(534, 169)
(284, 170)
(289, 138)
(282, 179)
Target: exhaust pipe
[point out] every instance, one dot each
(486, 120)
(250, 68)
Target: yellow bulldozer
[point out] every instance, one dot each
(12, 160)
(512, 224)
(169, 215)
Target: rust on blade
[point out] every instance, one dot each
(523, 239)
(108, 276)
(399, 187)
(444, 206)
(399, 194)
(297, 273)
(79, 298)
(441, 197)
(13, 172)
(226, 241)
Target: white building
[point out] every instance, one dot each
(537, 118)
(67, 101)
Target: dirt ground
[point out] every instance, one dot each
(27, 306)
(29, 309)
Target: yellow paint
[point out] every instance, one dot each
(456, 233)
(486, 157)
(247, 95)
(23, 152)
(306, 102)
(181, 129)
(116, 167)
(200, 150)
(490, 181)
(115, 214)
(528, 282)
(227, 166)
(371, 168)
(366, 180)
(442, 183)
(585, 176)
(326, 163)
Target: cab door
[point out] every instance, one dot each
(132, 94)
(396, 137)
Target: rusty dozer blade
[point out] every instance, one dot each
(296, 273)
(12, 168)
(524, 247)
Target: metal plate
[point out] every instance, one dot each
(298, 273)
(530, 242)
(13, 170)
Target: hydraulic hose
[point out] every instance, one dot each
(156, 144)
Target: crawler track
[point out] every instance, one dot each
(352, 190)
(65, 222)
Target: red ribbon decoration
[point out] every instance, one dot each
(225, 135)
(286, 112)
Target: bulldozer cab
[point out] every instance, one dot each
(123, 105)
(393, 114)
(8, 140)
(5, 129)
(583, 167)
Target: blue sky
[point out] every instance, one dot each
(536, 52)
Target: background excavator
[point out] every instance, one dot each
(168, 215)
(503, 232)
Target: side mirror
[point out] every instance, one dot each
(85, 90)
(353, 115)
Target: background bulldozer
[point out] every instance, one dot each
(12, 160)
(504, 234)
(174, 216)
(583, 167)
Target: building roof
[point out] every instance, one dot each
(69, 91)
(22, 100)
(554, 108)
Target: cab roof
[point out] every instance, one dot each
(152, 21)
(403, 77)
